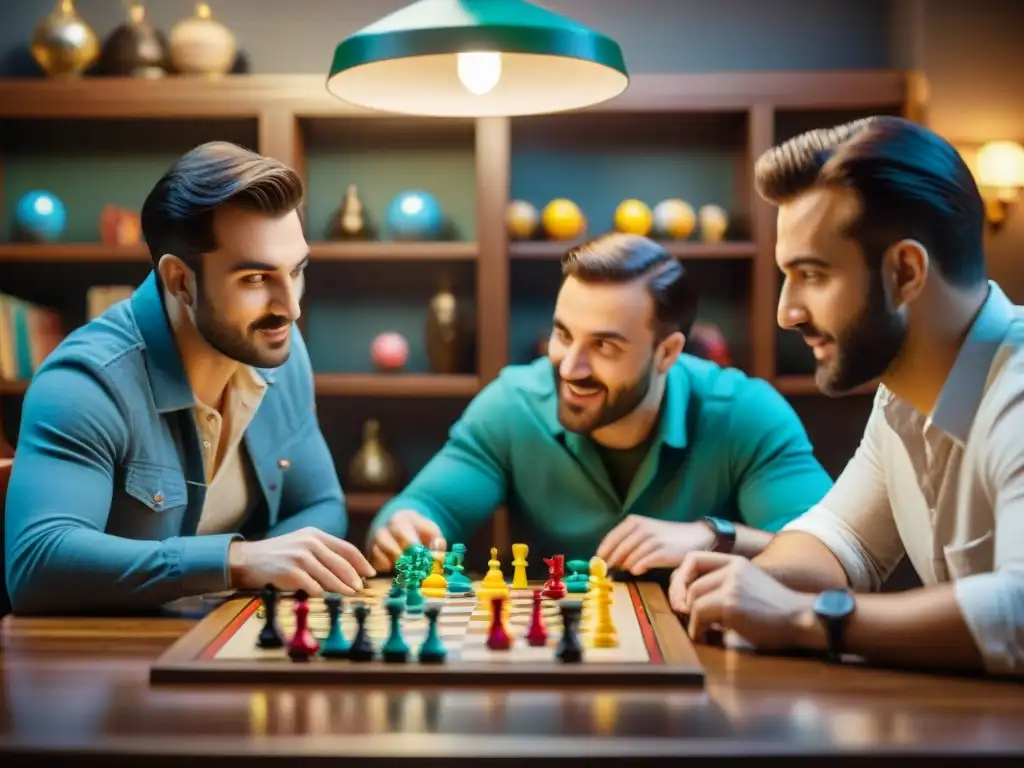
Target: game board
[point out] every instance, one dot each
(652, 647)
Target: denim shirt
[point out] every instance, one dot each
(108, 485)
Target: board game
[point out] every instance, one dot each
(484, 633)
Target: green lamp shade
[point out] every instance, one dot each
(476, 58)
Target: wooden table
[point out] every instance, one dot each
(74, 686)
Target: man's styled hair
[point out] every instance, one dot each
(177, 216)
(910, 181)
(621, 258)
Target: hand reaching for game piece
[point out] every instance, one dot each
(403, 529)
(733, 593)
(639, 543)
(307, 559)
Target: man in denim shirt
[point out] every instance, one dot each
(171, 446)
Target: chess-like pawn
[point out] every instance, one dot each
(432, 651)
(569, 649)
(303, 644)
(351, 222)
(553, 587)
(362, 646)
(604, 634)
(498, 638)
(335, 645)
(519, 553)
(493, 584)
(459, 584)
(270, 635)
(435, 585)
(536, 633)
(395, 649)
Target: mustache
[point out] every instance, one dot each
(270, 323)
(810, 333)
(587, 382)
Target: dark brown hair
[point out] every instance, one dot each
(911, 183)
(621, 258)
(177, 216)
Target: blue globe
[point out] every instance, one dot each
(41, 216)
(414, 215)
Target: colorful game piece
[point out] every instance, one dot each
(335, 645)
(303, 644)
(435, 585)
(554, 588)
(432, 651)
(493, 584)
(270, 635)
(536, 634)
(519, 553)
(498, 638)
(454, 571)
(569, 649)
(395, 648)
(362, 646)
(576, 583)
(603, 634)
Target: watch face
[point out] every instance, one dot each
(834, 603)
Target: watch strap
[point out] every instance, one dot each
(724, 532)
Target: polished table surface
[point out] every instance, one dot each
(80, 686)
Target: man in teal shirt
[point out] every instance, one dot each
(618, 444)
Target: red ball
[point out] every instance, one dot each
(389, 351)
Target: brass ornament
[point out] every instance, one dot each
(63, 44)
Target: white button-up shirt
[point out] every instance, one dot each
(946, 490)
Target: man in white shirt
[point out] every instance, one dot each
(880, 230)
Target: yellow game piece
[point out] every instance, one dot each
(493, 584)
(435, 585)
(604, 634)
(519, 553)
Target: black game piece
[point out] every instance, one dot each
(270, 635)
(362, 646)
(569, 649)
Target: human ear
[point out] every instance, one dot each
(905, 267)
(669, 350)
(178, 280)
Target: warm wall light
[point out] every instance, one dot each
(1001, 178)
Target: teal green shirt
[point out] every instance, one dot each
(726, 445)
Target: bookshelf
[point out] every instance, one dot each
(695, 136)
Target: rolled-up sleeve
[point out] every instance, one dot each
(992, 604)
(854, 519)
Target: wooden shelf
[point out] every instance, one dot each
(66, 252)
(554, 249)
(805, 385)
(368, 504)
(397, 384)
(393, 251)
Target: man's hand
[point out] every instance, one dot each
(638, 543)
(307, 559)
(731, 592)
(404, 528)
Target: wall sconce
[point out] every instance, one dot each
(1001, 177)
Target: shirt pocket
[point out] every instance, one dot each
(976, 556)
(159, 488)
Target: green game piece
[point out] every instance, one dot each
(457, 581)
(335, 645)
(395, 649)
(579, 581)
(432, 651)
(414, 600)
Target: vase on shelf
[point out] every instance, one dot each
(64, 45)
(373, 467)
(135, 48)
(201, 45)
(443, 334)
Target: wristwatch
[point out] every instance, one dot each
(833, 607)
(725, 534)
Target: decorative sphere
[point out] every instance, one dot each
(714, 221)
(389, 351)
(633, 217)
(414, 215)
(521, 219)
(41, 216)
(674, 219)
(563, 220)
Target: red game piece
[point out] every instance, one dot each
(498, 639)
(556, 569)
(536, 634)
(303, 644)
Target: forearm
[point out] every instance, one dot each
(921, 628)
(328, 516)
(750, 542)
(67, 570)
(802, 562)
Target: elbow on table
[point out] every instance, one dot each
(993, 606)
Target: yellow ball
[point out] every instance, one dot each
(521, 219)
(563, 220)
(674, 219)
(633, 217)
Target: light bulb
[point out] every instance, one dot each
(479, 71)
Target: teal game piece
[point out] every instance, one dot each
(432, 651)
(414, 600)
(457, 581)
(579, 581)
(335, 645)
(395, 649)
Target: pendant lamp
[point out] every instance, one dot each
(476, 58)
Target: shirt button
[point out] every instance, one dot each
(158, 498)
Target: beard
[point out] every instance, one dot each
(246, 348)
(613, 406)
(866, 348)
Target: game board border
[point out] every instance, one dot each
(186, 662)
